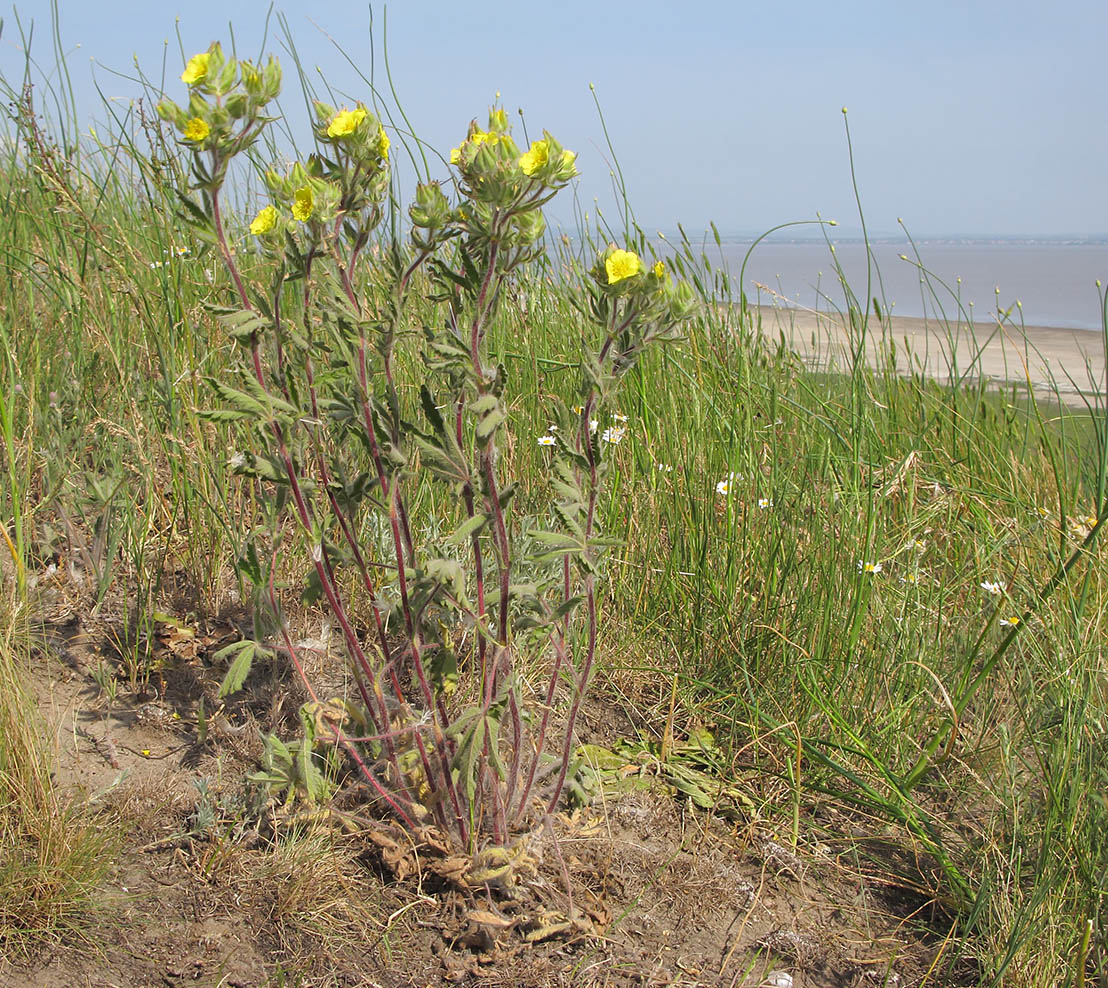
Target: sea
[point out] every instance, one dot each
(1038, 282)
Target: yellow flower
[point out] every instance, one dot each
(345, 122)
(383, 144)
(455, 155)
(196, 130)
(196, 69)
(303, 203)
(265, 221)
(536, 158)
(622, 264)
(659, 270)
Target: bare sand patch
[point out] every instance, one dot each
(1059, 364)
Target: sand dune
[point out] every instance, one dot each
(1062, 363)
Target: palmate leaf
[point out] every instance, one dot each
(447, 462)
(195, 217)
(313, 780)
(241, 655)
(467, 529)
(470, 727)
(242, 324)
(252, 401)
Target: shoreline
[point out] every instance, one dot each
(1065, 364)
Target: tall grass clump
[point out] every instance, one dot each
(887, 592)
(52, 853)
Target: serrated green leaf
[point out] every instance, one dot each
(557, 540)
(429, 409)
(490, 422)
(243, 652)
(468, 528)
(484, 404)
(556, 556)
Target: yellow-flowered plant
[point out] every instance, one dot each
(462, 749)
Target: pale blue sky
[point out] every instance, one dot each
(967, 117)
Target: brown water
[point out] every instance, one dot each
(1055, 282)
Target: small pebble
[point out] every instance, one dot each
(779, 979)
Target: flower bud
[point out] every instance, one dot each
(236, 106)
(431, 210)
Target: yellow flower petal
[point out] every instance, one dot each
(196, 130)
(265, 221)
(303, 203)
(345, 122)
(197, 69)
(383, 144)
(622, 264)
(536, 158)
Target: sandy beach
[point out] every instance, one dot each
(1064, 364)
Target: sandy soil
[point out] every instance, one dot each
(205, 892)
(1064, 364)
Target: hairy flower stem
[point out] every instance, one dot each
(558, 641)
(340, 737)
(585, 674)
(475, 543)
(225, 250)
(304, 514)
(578, 694)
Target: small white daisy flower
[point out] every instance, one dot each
(864, 567)
(1010, 622)
(547, 441)
(614, 435)
(765, 503)
(994, 588)
(723, 488)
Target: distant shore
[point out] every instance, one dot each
(1067, 361)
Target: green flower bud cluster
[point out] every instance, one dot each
(303, 195)
(348, 180)
(498, 174)
(430, 212)
(645, 298)
(505, 188)
(226, 100)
